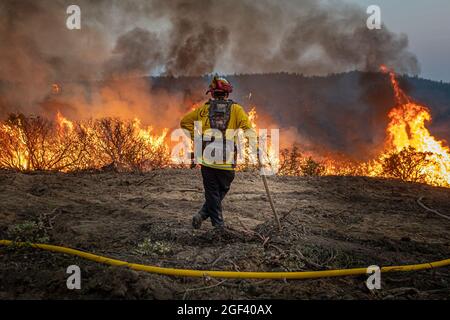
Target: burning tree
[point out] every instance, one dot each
(310, 167)
(124, 146)
(34, 143)
(407, 130)
(408, 165)
(113, 142)
(292, 163)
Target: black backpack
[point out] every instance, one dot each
(219, 114)
(219, 117)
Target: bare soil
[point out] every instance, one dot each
(328, 223)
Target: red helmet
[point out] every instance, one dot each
(219, 85)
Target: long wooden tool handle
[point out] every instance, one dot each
(266, 186)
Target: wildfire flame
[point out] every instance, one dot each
(407, 128)
(252, 116)
(63, 123)
(150, 138)
(269, 157)
(33, 143)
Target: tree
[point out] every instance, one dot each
(310, 167)
(407, 165)
(34, 143)
(290, 161)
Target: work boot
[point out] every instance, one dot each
(219, 229)
(197, 220)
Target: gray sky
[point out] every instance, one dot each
(427, 24)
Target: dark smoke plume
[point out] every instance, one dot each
(134, 52)
(127, 40)
(308, 36)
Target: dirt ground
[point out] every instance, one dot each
(328, 223)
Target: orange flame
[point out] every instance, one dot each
(63, 123)
(407, 129)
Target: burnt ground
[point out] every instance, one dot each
(328, 223)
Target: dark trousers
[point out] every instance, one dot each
(216, 183)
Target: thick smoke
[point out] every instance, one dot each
(136, 51)
(100, 68)
(308, 36)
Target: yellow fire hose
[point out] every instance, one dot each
(225, 274)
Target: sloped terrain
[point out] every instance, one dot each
(328, 223)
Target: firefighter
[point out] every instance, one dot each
(218, 113)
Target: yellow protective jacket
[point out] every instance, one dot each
(238, 120)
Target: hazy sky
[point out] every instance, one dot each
(427, 24)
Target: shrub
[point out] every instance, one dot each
(147, 247)
(28, 231)
(34, 143)
(311, 167)
(407, 165)
(290, 162)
